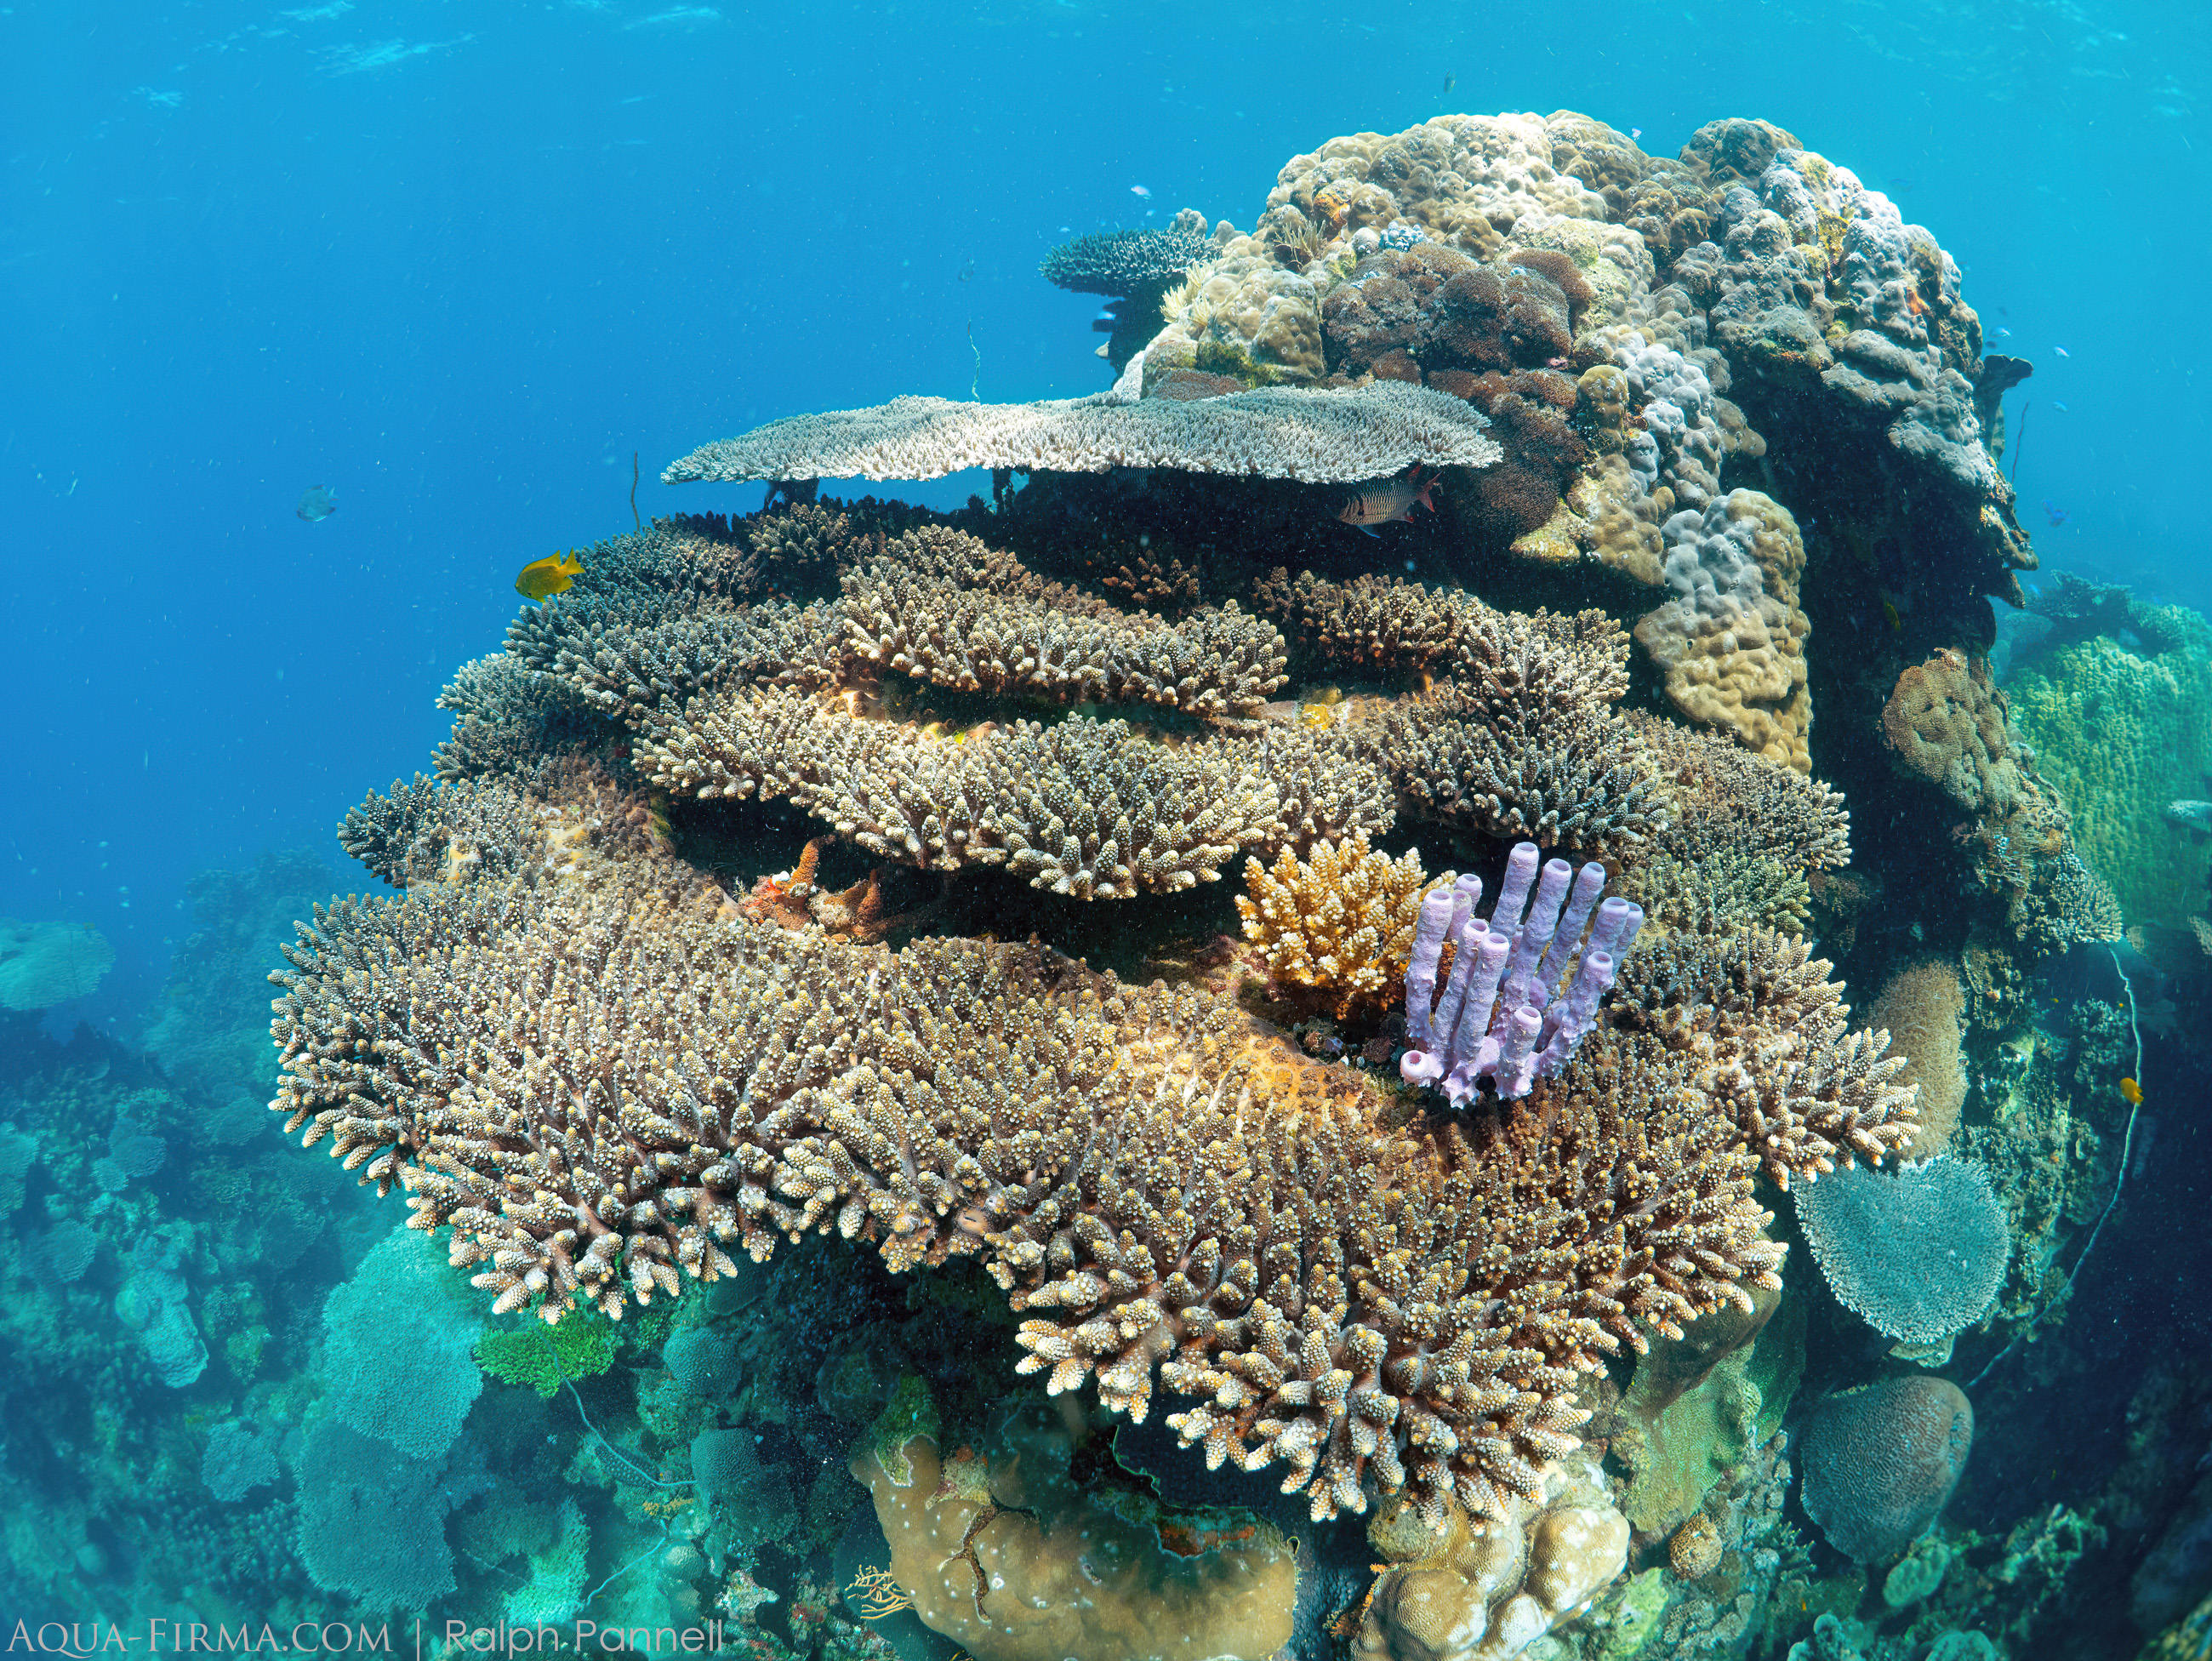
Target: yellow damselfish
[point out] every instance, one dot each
(2132, 1091)
(552, 575)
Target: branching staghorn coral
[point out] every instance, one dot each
(1340, 921)
(433, 832)
(1082, 807)
(511, 717)
(603, 1085)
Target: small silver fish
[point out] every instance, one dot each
(319, 502)
(1390, 502)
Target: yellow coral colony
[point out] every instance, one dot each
(1341, 923)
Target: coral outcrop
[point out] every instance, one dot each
(1881, 1461)
(746, 906)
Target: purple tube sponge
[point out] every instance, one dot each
(1509, 1013)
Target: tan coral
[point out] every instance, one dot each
(1086, 808)
(1946, 722)
(1341, 923)
(1035, 1567)
(1732, 641)
(1922, 1007)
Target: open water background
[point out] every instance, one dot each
(459, 262)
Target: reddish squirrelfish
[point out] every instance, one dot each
(1388, 504)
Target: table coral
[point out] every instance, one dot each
(1330, 437)
(1340, 923)
(491, 1080)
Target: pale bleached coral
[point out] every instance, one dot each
(1324, 436)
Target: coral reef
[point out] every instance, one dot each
(1332, 437)
(1917, 1254)
(2123, 733)
(1881, 1461)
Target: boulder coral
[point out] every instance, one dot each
(1881, 1461)
(1005, 1553)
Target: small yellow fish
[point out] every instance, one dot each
(2132, 1091)
(554, 575)
(1889, 613)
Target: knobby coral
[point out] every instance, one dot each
(1340, 921)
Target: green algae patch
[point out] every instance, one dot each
(541, 1356)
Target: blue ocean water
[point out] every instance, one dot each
(460, 269)
(471, 271)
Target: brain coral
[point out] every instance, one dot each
(1881, 1461)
